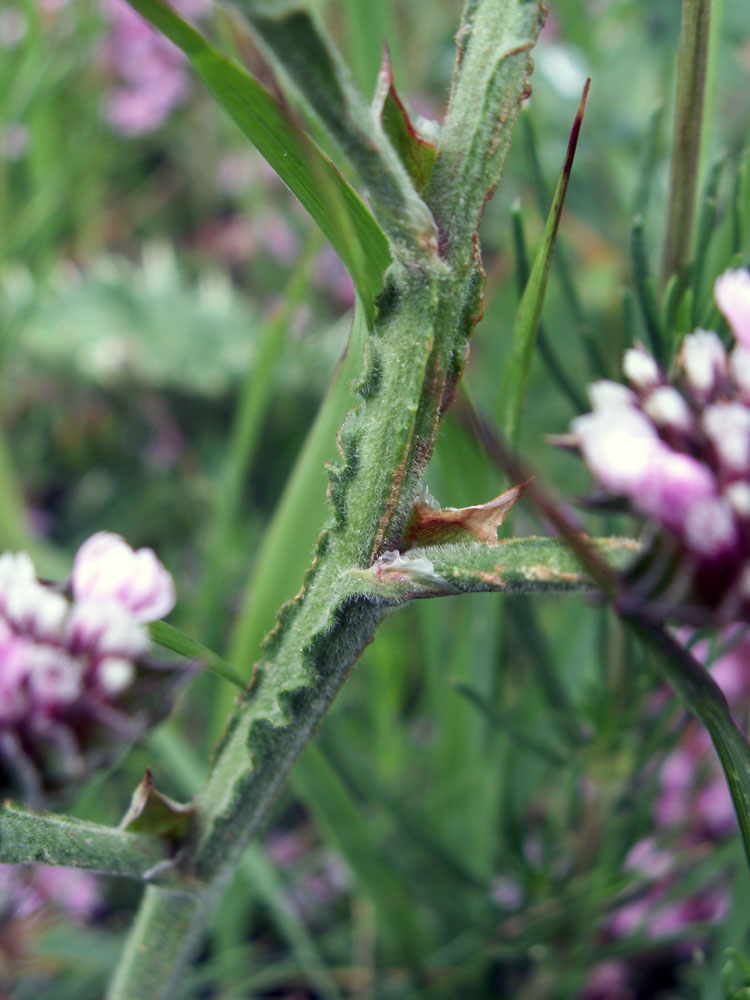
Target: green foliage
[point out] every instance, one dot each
(329, 199)
(493, 758)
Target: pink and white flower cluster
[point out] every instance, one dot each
(65, 665)
(149, 73)
(678, 449)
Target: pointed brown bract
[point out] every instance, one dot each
(152, 812)
(431, 526)
(415, 152)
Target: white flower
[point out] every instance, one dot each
(106, 569)
(732, 294)
(704, 361)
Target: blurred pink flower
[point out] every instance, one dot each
(678, 451)
(609, 981)
(732, 292)
(64, 667)
(107, 570)
(13, 27)
(149, 73)
(24, 891)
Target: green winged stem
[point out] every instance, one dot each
(414, 357)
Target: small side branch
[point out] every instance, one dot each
(26, 838)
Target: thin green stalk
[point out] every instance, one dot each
(516, 378)
(686, 145)
(705, 699)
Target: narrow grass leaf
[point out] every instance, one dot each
(347, 828)
(645, 289)
(516, 380)
(508, 722)
(299, 162)
(705, 230)
(702, 695)
(560, 260)
(169, 637)
(369, 23)
(546, 351)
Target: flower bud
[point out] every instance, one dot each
(727, 426)
(107, 569)
(640, 369)
(732, 293)
(704, 362)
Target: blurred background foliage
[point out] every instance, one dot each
(486, 812)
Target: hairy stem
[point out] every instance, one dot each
(27, 838)
(413, 362)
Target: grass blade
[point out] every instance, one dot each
(300, 163)
(169, 637)
(702, 695)
(516, 380)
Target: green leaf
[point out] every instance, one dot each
(516, 378)
(299, 162)
(305, 55)
(645, 290)
(702, 695)
(415, 152)
(169, 637)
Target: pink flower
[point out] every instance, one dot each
(65, 667)
(609, 981)
(150, 72)
(732, 293)
(106, 569)
(677, 449)
(26, 890)
(621, 447)
(704, 363)
(672, 487)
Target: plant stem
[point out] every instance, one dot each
(413, 362)
(26, 837)
(686, 144)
